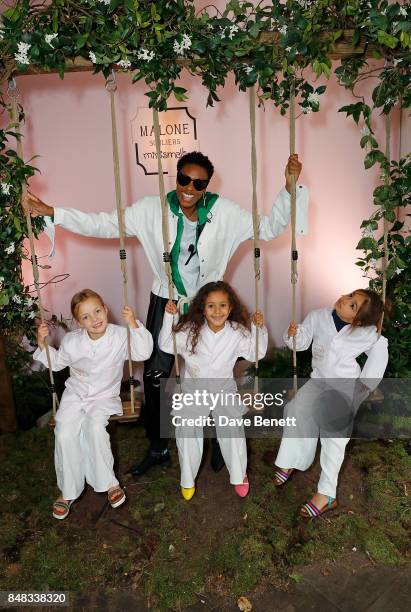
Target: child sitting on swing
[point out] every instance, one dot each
(210, 338)
(95, 353)
(325, 406)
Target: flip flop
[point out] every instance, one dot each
(281, 477)
(64, 506)
(310, 510)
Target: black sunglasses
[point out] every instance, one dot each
(184, 180)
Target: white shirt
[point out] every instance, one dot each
(96, 366)
(334, 353)
(230, 226)
(189, 272)
(216, 352)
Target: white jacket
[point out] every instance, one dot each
(229, 226)
(96, 366)
(216, 353)
(334, 353)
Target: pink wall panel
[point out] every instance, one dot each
(68, 126)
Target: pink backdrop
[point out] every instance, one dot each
(68, 125)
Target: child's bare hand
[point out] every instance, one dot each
(292, 330)
(171, 308)
(129, 317)
(258, 318)
(42, 333)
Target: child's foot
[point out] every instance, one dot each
(116, 496)
(281, 476)
(188, 493)
(318, 504)
(61, 508)
(243, 489)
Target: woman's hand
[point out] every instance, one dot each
(129, 317)
(42, 333)
(258, 318)
(171, 308)
(292, 169)
(292, 330)
(37, 207)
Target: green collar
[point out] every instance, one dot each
(204, 205)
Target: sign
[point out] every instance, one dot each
(178, 135)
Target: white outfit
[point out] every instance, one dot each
(334, 384)
(229, 226)
(82, 444)
(214, 360)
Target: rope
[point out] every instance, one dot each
(387, 181)
(111, 87)
(165, 228)
(13, 94)
(256, 223)
(294, 252)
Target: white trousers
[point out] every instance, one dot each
(82, 451)
(233, 446)
(297, 450)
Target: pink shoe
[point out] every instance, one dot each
(243, 489)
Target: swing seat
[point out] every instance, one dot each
(128, 416)
(375, 397)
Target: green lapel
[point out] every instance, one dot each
(203, 208)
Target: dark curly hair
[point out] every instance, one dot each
(194, 320)
(197, 158)
(370, 312)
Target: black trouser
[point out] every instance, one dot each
(158, 366)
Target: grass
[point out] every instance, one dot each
(171, 551)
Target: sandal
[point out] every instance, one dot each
(281, 477)
(310, 510)
(61, 505)
(116, 496)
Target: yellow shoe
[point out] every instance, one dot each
(188, 493)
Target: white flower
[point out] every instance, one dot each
(16, 299)
(313, 98)
(145, 54)
(368, 232)
(31, 314)
(396, 61)
(185, 44)
(403, 11)
(233, 30)
(21, 56)
(92, 56)
(307, 111)
(5, 188)
(383, 11)
(10, 249)
(49, 38)
(288, 49)
(283, 30)
(365, 131)
(248, 69)
(106, 2)
(124, 63)
(29, 302)
(354, 549)
(398, 271)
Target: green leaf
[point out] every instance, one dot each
(387, 39)
(372, 157)
(366, 244)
